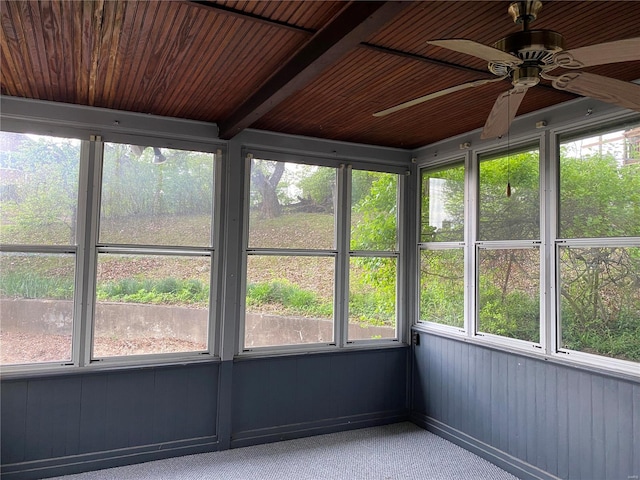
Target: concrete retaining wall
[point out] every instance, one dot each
(130, 321)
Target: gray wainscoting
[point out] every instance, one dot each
(534, 418)
(288, 397)
(78, 422)
(55, 425)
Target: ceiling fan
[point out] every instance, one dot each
(527, 56)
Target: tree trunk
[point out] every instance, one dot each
(267, 187)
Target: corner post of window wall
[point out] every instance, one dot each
(342, 247)
(235, 240)
(407, 232)
(413, 245)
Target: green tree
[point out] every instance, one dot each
(42, 206)
(374, 228)
(600, 290)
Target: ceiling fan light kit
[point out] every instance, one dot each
(527, 56)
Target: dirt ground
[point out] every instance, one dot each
(19, 347)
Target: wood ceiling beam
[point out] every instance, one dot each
(234, 12)
(210, 5)
(351, 26)
(422, 58)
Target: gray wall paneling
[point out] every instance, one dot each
(288, 397)
(72, 423)
(535, 418)
(77, 422)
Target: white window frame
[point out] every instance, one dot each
(87, 248)
(78, 252)
(555, 348)
(396, 254)
(549, 140)
(97, 248)
(341, 253)
(535, 144)
(456, 161)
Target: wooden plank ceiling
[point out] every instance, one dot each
(311, 68)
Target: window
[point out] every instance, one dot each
(303, 262)
(598, 245)
(507, 250)
(125, 274)
(373, 263)
(154, 251)
(38, 236)
(442, 246)
(291, 256)
(554, 256)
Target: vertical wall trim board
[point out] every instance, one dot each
(225, 404)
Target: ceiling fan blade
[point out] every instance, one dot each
(439, 93)
(611, 52)
(476, 49)
(503, 113)
(610, 90)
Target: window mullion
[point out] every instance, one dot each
(91, 193)
(548, 230)
(470, 232)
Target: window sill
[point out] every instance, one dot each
(562, 359)
(18, 372)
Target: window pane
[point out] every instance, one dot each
(509, 299)
(36, 301)
(514, 217)
(153, 196)
(291, 206)
(442, 287)
(374, 205)
(372, 298)
(38, 189)
(151, 304)
(600, 185)
(600, 301)
(289, 300)
(442, 204)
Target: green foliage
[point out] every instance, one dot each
(168, 291)
(372, 308)
(442, 287)
(134, 186)
(514, 315)
(600, 309)
(41, 205)
(599, 197)
(21, 284)
(318, 184)
(288, 297)
(445, 189)
(376, 215)
(600, 306)
(372, 290)
(515, 217)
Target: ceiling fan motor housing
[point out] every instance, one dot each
(535, 48)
